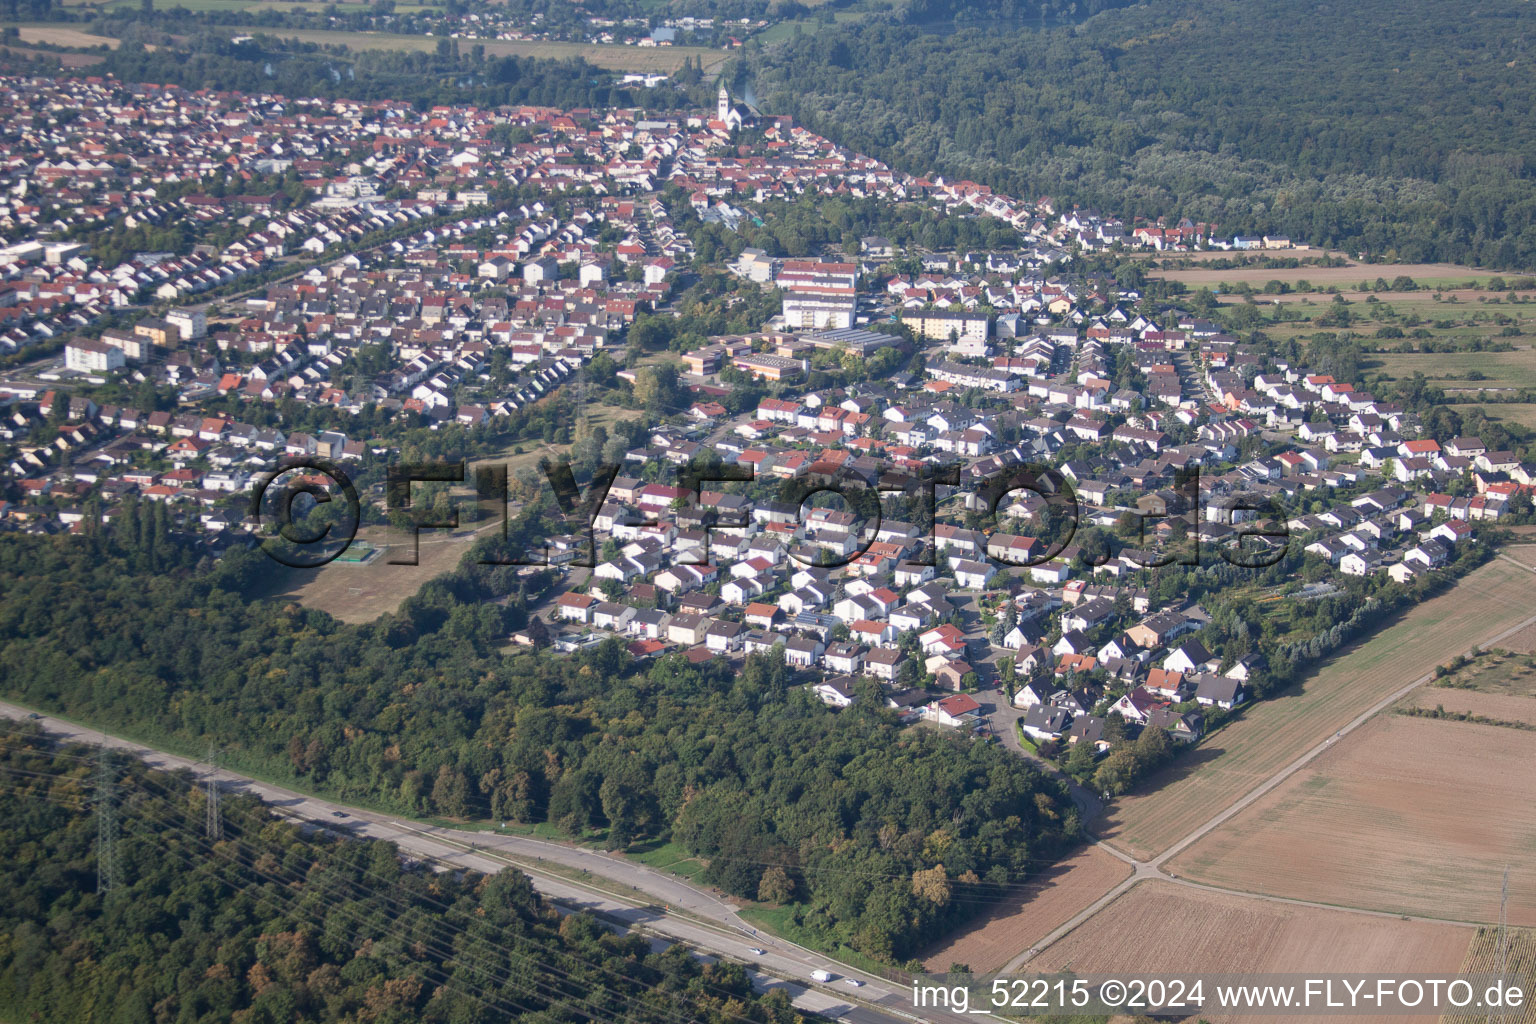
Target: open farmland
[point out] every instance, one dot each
(1051, 900)
(55, 35)
(1515, 369)
(1162, 927)
(68, 60)
(615, 58)
(1497, 707)
(1408, 815)
(1342, 277)
(1275, 732)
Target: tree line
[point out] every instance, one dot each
(273, 924)
(883, 836)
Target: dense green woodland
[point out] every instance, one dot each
(885, 836)
(1397, 126)
(272, 926)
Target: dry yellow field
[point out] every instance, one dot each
(362, 592)
(1277, 731)
(1519, 963)
(612, 57)
(1052, 899)
(1407, 815)
(59, 36)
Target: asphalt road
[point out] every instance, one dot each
(638, 897)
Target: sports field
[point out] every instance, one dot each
(1275, 732)
(1408, 815)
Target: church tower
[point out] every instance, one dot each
(723, 105)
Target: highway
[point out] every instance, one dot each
(632, 895)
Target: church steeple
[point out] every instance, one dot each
(723, 104)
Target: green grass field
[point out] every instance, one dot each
(666, 857)
(1515, 369)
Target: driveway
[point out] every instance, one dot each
(1001, 716)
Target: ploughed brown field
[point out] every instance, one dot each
(1162, 927)
(1051, 900)
(1272, 734)
(1407, 815)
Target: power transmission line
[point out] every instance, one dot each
(108, 877)
(213, 825)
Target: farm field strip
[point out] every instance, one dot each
(1351, 275)
(1162, 927)
(1052, 900)
(613, 57)
(1502, 707)
(1370, 824)
(1510, 369)
(1276, 732)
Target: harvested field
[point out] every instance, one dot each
(1525, 554)
(68, 60)
(1275, 732)
(1162, 927)
(1519, 964)
(1053, 899)
(1408, 815)
(56, 36)
(1523, 642)
(613, 57)
(1497, 706)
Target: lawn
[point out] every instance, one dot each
(666, 857)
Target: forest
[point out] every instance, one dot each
(1395, 127)
(882, 837)
(272, 925)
